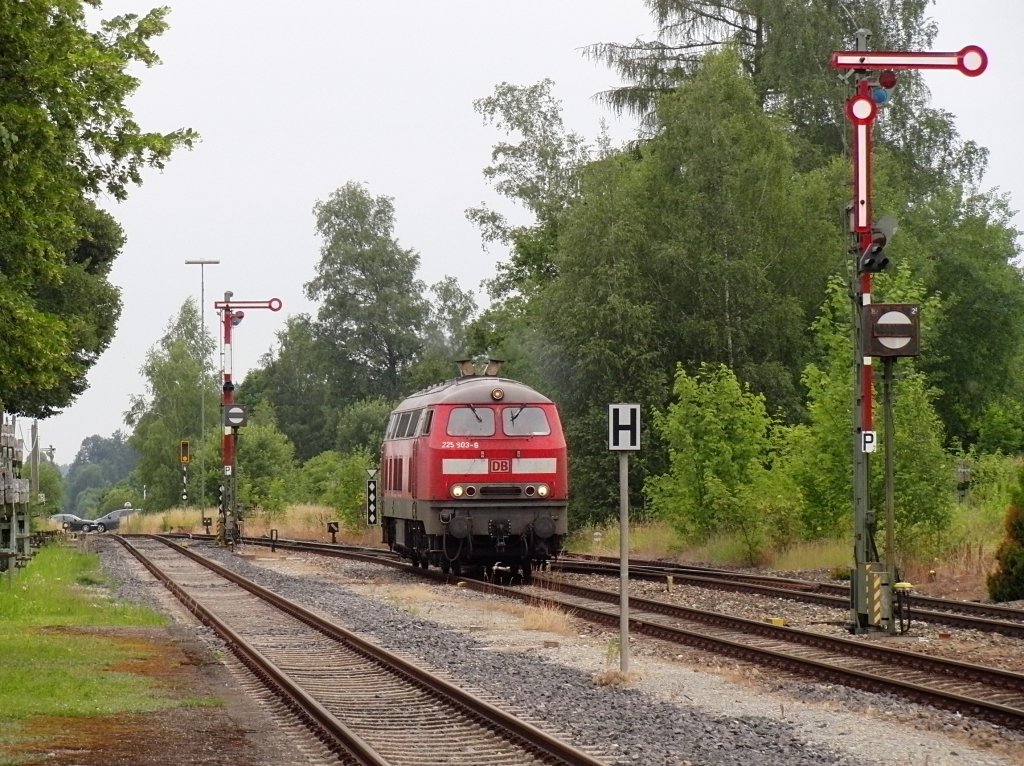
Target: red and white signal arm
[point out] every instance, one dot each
(624, 427)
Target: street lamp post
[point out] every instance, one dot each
(202, 264)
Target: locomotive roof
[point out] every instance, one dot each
(475, 389)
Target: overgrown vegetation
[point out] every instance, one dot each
(1006, 583)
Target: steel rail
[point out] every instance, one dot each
(528, 736)
(950, 669)
(961, 614)
(334, 733)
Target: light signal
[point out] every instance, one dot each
(873, 258)
(185, 452)
(881, 89)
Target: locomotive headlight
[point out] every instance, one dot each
(457, 490)
(543, 490)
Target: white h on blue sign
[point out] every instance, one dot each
(624, 427)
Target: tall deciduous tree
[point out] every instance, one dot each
(445, 335)
(266, 461)
(704, 245)
(785, 48)
(101, 463)
(304, 384)
(540, 172)
(176, 375)
(66, 135)
(372, 306)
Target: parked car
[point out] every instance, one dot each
(72, 523)
(112, 520)
(60, 518)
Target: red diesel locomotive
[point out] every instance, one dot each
(473, 473)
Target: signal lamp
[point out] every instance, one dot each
(543, 490)
(873, 259)
(881, 89)
(457, 490)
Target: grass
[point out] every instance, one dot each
(66, 649)
(300, 522)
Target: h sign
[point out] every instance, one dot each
(624, 427)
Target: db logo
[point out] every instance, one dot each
(501, 466)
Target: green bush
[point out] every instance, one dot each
(1007, 582)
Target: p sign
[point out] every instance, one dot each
(624, 427)
(868, 441)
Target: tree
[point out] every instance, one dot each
(51, 487)
(176, 372)
(67, 135)
(100, 463)
(266, 460)
(718, 437)
(372, 305)
(784, 48)
(337, 481)
(540, 173)
(445, 335)
(361, 426)
(819, 453)
(980, 332)
(669, 256)
(302, 385)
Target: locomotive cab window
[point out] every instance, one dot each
(392, 425)
(412, 423)
(428, 418)
(471, 421)
(525, 421)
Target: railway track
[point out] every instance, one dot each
(938, 611)
(366, 704)
(974, 690)
(989, 693)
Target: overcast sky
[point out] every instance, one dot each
(294, 100)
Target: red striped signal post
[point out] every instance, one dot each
(872, 583)
(232, 416)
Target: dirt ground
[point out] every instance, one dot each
(942, 582)
(225, 728)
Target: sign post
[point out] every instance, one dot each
(624, 437)
(371, 497)
(875, 76)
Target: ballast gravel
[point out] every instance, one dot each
(668, 713)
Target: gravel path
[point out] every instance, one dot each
(679, 707)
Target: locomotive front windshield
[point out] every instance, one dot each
(471, 421)
(515, 421)
(524, 421)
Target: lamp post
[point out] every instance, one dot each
(202, 264)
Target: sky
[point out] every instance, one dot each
(294, 100)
